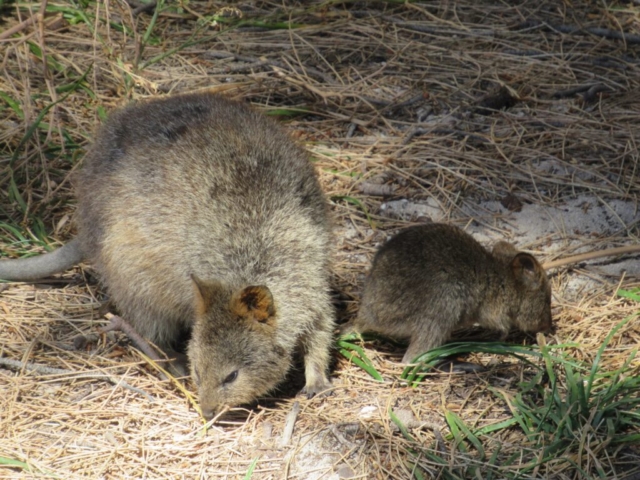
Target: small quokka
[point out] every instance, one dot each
(430, 280)
(198, 212)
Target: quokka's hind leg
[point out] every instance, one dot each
(359, 324)
(349, 327)
(423, 342)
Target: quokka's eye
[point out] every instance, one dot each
(230, 378)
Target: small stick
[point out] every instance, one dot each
(150, 7)
(570, 92)
(21, 26)
(590, 95)
(628, 38)
(590, 91)
(375, 189)
(287, 433)
(44, 370)
(443, 131)
(139, 7)
(312, 72)
(591, 255)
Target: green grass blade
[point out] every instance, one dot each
(495, 427)
(462, 427)
(16, 232)
(14, 463)
(575, 389)
(194, 39)
(631, 294)
(353, 358)
(416, 472)
(357, 355)
(238, 22)
(286, 112)
(15, 106)
(252, 467)
(596, 362)
(425, 362)
(13, 187)
(52, 63)
(401, 426)
(73, 86)
(524, 416)
(451, 417)
(24, 466)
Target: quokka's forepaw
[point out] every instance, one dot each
(318, 389)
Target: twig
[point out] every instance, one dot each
(339, 436)
(44, 370)
(241, 68)
(415, 99)
(256, 62)
(590, 95)
(140, 7)
(606, 62)
(629, 38)
(570, 92)
(446, 32)
(376, 189)
(443, 131)
(21, 26)
(290, 421)
(590, 91)
(392, 105)
(422, 28)
(591, 255)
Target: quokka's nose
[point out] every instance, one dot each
(208, 412)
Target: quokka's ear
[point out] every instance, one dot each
(527, 270)
(254, 303)
(504, 249)
(204, 293)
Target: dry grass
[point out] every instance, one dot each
(385, 95)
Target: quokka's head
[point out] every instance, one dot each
(233, 353)
(527, 289)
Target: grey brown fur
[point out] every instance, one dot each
(431, 279)
(198, 211)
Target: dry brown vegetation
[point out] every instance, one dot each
(453, 105)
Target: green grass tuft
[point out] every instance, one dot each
(415, 374)
(569, 406)
(355, 353)
(569, 411)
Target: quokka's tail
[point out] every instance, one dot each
(34, 268)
